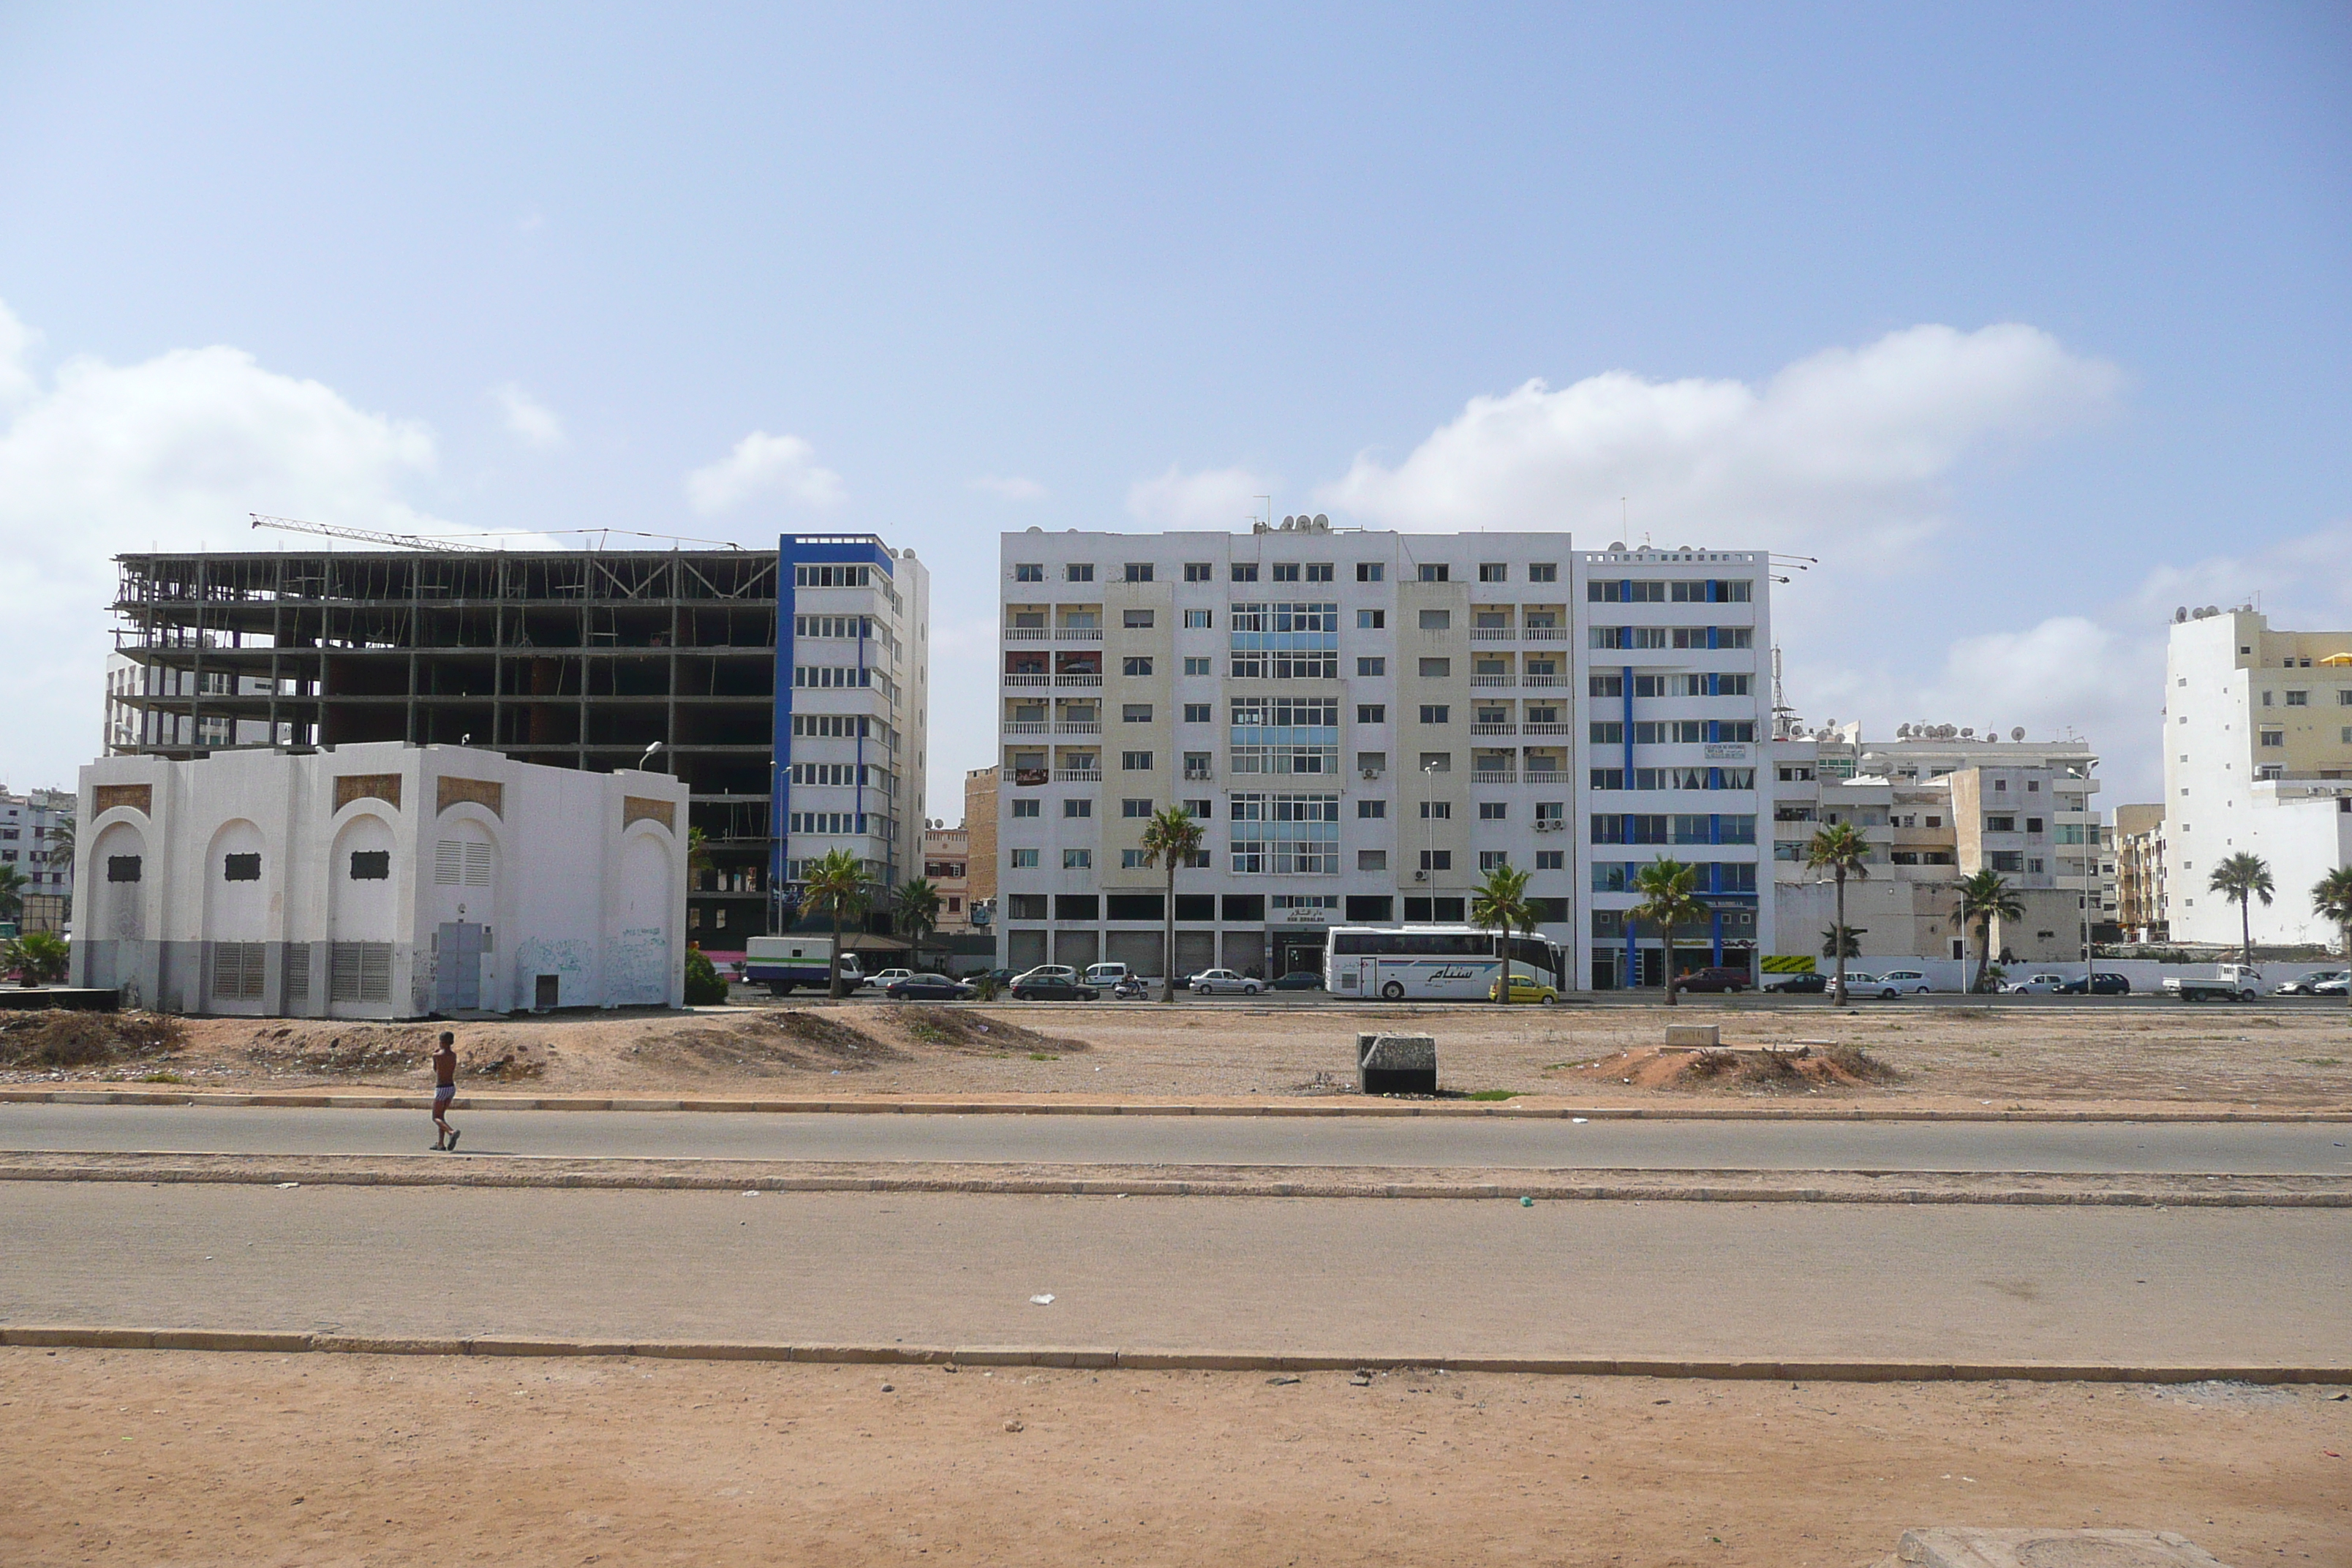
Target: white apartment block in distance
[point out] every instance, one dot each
(2257, 758)
(1365, 722)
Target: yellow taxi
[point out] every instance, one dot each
(1525, 988)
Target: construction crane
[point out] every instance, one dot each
(364, 535)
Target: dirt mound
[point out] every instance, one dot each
(55, 1038)
(511, 1061)
(777, 1040)
(343, 1051)
(1819, 1069)
(956, 1030)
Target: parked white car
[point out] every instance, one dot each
(1908, 982)
(885, 979)
(1860, 983)
(2034, 985)
(1106, 975)
(1224, 983)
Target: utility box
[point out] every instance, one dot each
(1396, 1064)
(1694, 1036)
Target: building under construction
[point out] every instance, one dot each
(579, 660)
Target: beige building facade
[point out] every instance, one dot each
(2139, 873)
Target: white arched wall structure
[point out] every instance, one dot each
(363, 915)
(236, 917)
(642, 960)
(468, 883)
(119, 912)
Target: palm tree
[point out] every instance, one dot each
(12, 893)
(1852, 945)
(1500, 902)
(1170, 839)
(915, 910)
(697, 852)
(1985, 897)
(2244, 877)
(1667, 902)
(1841, 852)
(2331, 896)
(836, 887)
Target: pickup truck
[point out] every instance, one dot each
(2234, 982)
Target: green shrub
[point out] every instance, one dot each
(704, 987)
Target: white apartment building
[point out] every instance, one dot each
(1365, 722)
(853, 702)
(30, 827)
(2257, 758)
(1933, 807)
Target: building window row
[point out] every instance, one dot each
(1703, 591)
(1674, 778)
(1634, 828)
(1638, 637)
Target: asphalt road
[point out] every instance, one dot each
(2241, 1149)
(1254, 1274)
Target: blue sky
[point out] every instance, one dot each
(2031, 322)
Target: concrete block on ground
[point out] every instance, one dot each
(2048, 1549)
(1396, 1064)
(1694, 1036)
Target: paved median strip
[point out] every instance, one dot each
(264, 1341)
(1571, 1185)
(1056, 1105)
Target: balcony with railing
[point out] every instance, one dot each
(1077, 680)
(1078, 727)
(1024, 727)
(1078, 775)
(1543, 680)
(1493, 775)
(1544, 728)
(1494, 726)
(1494, 682)
(1028, 680)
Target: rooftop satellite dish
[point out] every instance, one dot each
(1321, 520)
(2179, 613)
(2018, 733)
(1617, 544)
(1969, 733)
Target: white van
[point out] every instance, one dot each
(1106, 975)
(781, 963)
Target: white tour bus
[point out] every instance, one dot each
(1450, 963)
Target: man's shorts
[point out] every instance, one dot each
(442, 1095)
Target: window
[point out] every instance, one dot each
(1245, 572)
(1494, 572)
(1437, 761)
(1074, 573)
(2343, 697)
(1025, 906)
(2006, 861)
(1025, 808)
(1135, 620)
(1372, 810)
(1434, 713)
(1494, 810)
(1196, 666)
(1371, 571)
(1135, 761)
(1135, 808)
(1196, 764)
(1543, 571)
(1435, 574)
(1492, 860)
(1196, 571)
(371, 865)
(1436, 620)
(1372, 764)
(1372, 714)
(1029, 571)
(1078, 808)
(1608, 778)
(1024, 859)
(1436, 810)
(1285, 571)
(1197, 620)
(2032, 825)
(1282, 835)
(1200, 810)
(1138, 571)
(1372, 667)
(1200, 713)
(241, 868)
(1552, 811)
(2266, 698)
(1611, 732)
(1131, 860)
(1552, 860)
(1607, 686)
(2298, 699)
(1371, 861)
(1319, 571)
(1624, 593)
(1436, 859)
(1077, 860)
(2275, 737)
(2000, 824)
(1135, 667)
(1135, 713)
(1372, 620)
(1436, 669)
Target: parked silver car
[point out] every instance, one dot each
(1224, 983)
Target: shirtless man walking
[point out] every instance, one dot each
(444, 1089)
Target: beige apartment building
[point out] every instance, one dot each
(980, 830)
(1935, 809)
(947, 856)
(2139, 873)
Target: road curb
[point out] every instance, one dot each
(1661, 1186)
(1506, 1109)
(88, 1337)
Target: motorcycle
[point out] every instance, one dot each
(1130, 989)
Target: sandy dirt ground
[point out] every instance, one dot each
(167, 1457)
(1952, 1055)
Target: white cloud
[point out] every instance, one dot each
(1010, 487)
(1857, 445)
(172, 451)
(17, 342)
(1219, 500)
(761, 462)
(528, 420)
